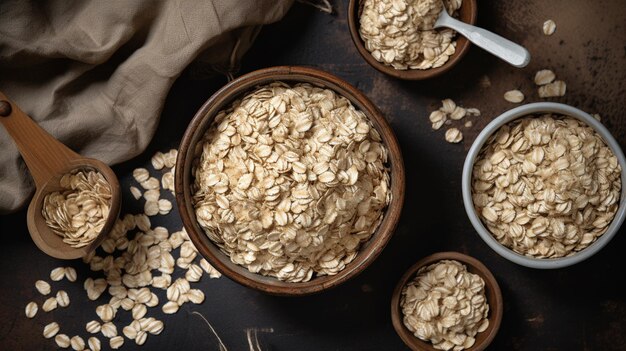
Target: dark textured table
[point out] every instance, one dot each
(581, 307)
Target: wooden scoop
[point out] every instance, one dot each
(48, 160)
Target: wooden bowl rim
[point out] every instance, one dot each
(234, 89)
(462, 46)
(492, 292)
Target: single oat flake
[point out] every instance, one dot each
(554, 89)
(514, 96)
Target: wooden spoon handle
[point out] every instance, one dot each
(44, 155)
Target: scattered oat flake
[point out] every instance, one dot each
(43, 287)
(510, 195)
(135, 192)
(544, 76)
(554, 89)
(437, 308)
(400, 34)
(514, 96)
(453, 135)
(484, 82)
(549, 27)
(31, 309)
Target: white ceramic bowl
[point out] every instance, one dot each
(491, 128)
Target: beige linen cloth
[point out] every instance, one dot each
(95, 73)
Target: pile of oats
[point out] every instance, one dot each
(399, 33)
(78, 213)
(546, 186)
(445, 305)
(289, 181)
(137, 260)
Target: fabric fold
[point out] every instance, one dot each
(95, 74)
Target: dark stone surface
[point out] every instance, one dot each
(582, 307)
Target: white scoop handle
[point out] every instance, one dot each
(501, 47)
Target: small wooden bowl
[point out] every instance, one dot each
(184, 178)
(467, 14)
(492, 292)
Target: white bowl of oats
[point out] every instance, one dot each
(289, 181)
(542, 185)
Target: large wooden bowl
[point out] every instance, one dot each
(492, 293)
(184, 179)
(467, 14)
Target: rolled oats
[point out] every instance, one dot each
(446, 305)
(62, 298)
(279, 221)
(554, 89)
(70, 274)
(50, 330)
(400, 34)
(158, 160)
(116, 342)
(453, 135)
(544, 76)
(141, 175)
(129, 332)
(135, 192)
(77, 343)
(31, 309)
(170, 307)
(139, 311)
(109, 330)
(93, 327)
(94, 343)
(549, 27)
(209, 269)
(62, 341)
(57, 274)
(546, 186)
(514, 96)
(78, 213)
(128, 273)
(43, 287)
(165, 206)
(141, 337)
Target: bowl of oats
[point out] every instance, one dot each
(542, 185)
(447, 301)
(397, 38)
(289, 181)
